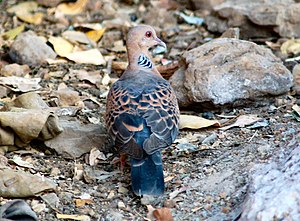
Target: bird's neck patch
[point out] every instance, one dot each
(145, 62)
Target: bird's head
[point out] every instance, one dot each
(144, 36)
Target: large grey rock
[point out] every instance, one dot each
(30, 49)
(257, 18)
(228, 72)
(78, 139)
(274, 193)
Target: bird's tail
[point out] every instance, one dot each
(147, 175)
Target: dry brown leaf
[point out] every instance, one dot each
(168, 178)
(61, 46)
(20, 83)
(291, 46)
(163, 214)
(92, 56)
(83, 202)
(242, 121)
(95, 35)
(36, 18)
(23, 7)
(73, 217)
(296, 108)
(20, 162)
(76, 36)
(94, 153)
(160, 214)
(13, 33)
(24, 11)
(72, 8)
(92, 26)
(195, 122)
(20, 184)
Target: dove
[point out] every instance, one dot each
(142, 113)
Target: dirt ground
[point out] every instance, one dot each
(206, 179)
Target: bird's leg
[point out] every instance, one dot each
(121, 160)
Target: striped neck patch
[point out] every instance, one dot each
(145, 62)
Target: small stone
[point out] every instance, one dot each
(55, 171)
(111, 194)
(4, 91)
(210, 139)
(38, 207)
(15, 70)
(67, 97)
(122, 189)
(170, 203)
(121, 205)
(147, 199)
(223, 195)
(23, 51)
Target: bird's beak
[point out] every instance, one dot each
(160, 42)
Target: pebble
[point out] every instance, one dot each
(23, 51)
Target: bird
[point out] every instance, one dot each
(142, 113)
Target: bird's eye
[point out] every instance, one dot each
(148, 34)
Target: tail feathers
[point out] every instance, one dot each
(147, 175)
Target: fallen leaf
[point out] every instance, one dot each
(195, 122)
(23, 7)
(160, 214)
(93, 26)
(92, 77)
(20, 83)
(72, 8)
(163, 214)
(36, 18)
(73, 217)
(83, 202)
(76, 36)
(105, 80)
(18, 184)
(20, 162)
(92, 56)
(95, 35)
(291, 46)
(168, 178)
(61, 46)
(242, 121)
(193, 20)
(13, 33)
(94, 153)
(24, 11)
(52, 200)
(296, 112)
(177, 191)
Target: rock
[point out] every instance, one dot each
(15, 70)
(23, 51)
(229, 72)
(67, 97)
(4, 91)
(258, 18)
(296, 77)
(78, 139)
(274, 193)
